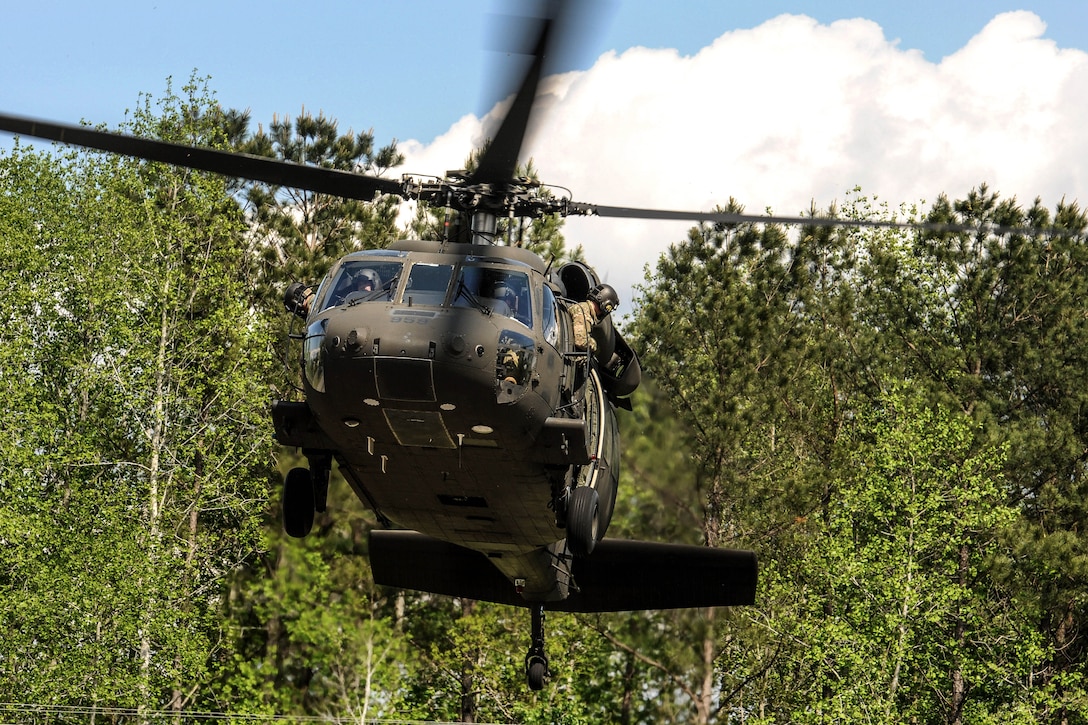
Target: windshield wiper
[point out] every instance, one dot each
(375, 294)
(462, 290)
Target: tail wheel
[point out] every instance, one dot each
(536, 661)
(535, 674)
(583, 521)
(298, 502)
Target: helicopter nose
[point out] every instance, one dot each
(405, 379)
(388, 359)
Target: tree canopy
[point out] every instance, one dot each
(894, 421)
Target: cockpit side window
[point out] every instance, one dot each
(505, 292)
(363, 280)
(550, 320)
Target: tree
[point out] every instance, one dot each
(146, 467)
(728, 328)
(994, 322)
(778, 350)
(905, 622)
(297, 234)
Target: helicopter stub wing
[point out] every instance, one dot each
(621, 575)
(624, 575)
(296, 427)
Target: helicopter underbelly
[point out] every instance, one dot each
(483, 499)
(443, 449)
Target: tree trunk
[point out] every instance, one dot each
(704, 705)
(959, 686)
(155, 498)
(468, 672)
(628, 690)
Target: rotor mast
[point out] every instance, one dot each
(484, 226)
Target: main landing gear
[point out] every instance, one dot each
(536, 662)
(305, 491)
(579, 498)
(583, 521)
(578, 510)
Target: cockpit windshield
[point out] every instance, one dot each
(363, 280)
(427, 284)
(505, 292)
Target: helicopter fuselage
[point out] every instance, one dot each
(443, 380)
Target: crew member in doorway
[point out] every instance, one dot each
(600, 303)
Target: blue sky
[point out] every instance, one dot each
(673, 105)
(407, 69)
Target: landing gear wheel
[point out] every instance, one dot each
(583, 521)
(537, 671)
(298, 502)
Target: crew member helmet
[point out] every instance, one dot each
(605, 297)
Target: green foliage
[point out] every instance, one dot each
(295, 234)
(892, 421)
(999, 333)
(734, 330)
(129, 493)
(899, 574)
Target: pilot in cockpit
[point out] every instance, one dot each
(353, 286)
(507, 296)
(367, 280)
(514, 293)
(298, 297)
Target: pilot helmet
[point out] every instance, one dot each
(368, 277)
(605, 297)
(507, 295)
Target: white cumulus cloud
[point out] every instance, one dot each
(794, 112)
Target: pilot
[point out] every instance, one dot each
(600, 303)
(367, 280)
(354, 286)
(512, 291)
(508, 297)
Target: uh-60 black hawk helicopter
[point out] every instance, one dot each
(444, 379)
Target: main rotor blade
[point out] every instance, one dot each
(227, 163)
(624, 212)
(500, 160)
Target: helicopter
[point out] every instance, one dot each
(448, 382)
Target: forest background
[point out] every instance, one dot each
(895, 421)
